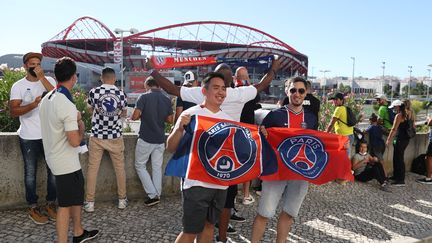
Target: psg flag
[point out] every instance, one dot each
(222, 152)
(314, 156)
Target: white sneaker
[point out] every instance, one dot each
(248, 200)
(122, 203)
(89, 207)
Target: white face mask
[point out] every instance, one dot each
(364, 153)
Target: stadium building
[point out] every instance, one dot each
(94, 45)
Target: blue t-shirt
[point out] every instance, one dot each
(375, 135)
(279, 118)
(155, 107)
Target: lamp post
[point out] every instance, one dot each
(427, 91)
(121, 31)
(324, 72)
(383, 82)
(352, 81)
(409, 81)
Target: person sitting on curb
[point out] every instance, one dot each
(428, 179)
(367, 168)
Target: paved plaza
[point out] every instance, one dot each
(355, 212)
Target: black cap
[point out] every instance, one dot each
(337, 96)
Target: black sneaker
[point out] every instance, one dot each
(152, 201)
(424, 181)
(398, 183)
(236, 218)
(86, 235)
(219, 241)
(230, 229)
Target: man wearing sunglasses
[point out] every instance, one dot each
(290, 193)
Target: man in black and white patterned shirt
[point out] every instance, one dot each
(108, 105)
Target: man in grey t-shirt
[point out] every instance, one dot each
(153, 108)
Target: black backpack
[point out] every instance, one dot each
(391, 115)
(351, 118)
(418, 165)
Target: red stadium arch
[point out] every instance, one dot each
(89, 40)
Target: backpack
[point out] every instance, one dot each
(351, 118)
(418, 165)
(391, 115)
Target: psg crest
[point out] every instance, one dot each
(304, 155)
(108, 105)
(227, 151)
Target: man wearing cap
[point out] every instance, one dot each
(339, 120)
(383, 112)
(190, 80)
(24, 100)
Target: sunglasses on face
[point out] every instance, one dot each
(300, 91)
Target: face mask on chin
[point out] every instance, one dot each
(363, 153)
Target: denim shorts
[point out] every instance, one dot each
(291, 193)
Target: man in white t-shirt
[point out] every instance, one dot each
(202, 202)
(62, 132)
(24, 100)
(233, 105)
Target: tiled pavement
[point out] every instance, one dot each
(355, 212)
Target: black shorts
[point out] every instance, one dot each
(231, 196)
(70, 189)
(429, 149)
(201, 204)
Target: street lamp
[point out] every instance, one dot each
(121, 31)
(352, 81)
(427, 92)
(383, 82)
(324, 71)
(409, 81)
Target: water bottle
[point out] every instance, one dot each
(28, 96)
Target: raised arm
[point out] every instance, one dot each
(163, 82)
(41, 76)
(271, 74)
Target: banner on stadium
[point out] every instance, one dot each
(221, 152)
(227, 153)
(161, 62)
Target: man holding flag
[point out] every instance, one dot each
(202, 201)
(290, 192)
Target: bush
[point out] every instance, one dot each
(416, 106)
(10, 76)
(80, 99)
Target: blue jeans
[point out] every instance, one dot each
(31, 151)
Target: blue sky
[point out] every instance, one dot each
(328, 32)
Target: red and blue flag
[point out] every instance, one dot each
(310, 155)
(222, 152)
(225, 152)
